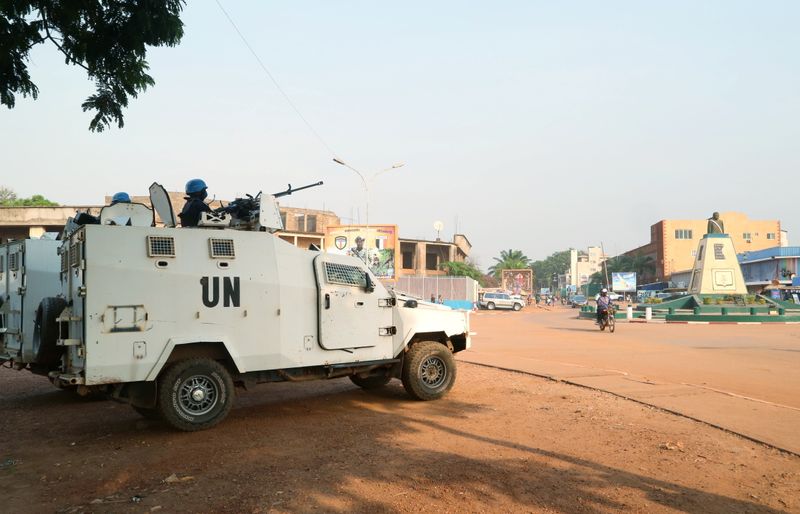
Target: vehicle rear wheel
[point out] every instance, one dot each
(429, 370)
(490, 306)
(195, 394)
(603, 321)
(371, 382)
(517, 306)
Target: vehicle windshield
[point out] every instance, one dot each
(578, 297)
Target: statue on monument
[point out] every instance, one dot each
(715, 225)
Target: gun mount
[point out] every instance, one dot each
(255, 213)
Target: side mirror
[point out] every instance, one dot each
(411, 304)
(369, 286)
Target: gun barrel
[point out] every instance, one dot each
(291, 190)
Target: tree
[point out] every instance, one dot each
(462, 269)
(108, 39)
(509, 259)
(7, 194)
(557, 263)
(8, 198)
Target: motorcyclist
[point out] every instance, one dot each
(603, 304)
(196, 192)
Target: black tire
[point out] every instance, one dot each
(517, 306)
(147, 413)
(371, 382)
(612, 323)
(602, 323)
(429, 370)
(46, 333)
(194, 394)
(490, 306)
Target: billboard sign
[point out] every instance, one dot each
(623, 282)
(518, 281)
(376, 245)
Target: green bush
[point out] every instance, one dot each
(707, 300)
(750, 298)
(718, 301)
(653, 300)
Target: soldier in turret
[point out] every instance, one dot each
(196, 192)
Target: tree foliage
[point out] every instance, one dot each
(463, 269)
(108, 39)
(8, 198)
(556, 263)
(509, 259)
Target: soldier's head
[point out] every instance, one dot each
(197, 188)
(120, 197)
(359, 242)
(715, 215)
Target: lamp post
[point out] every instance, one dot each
(366, 183)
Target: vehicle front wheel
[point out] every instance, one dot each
(195, 394)
(490, 306)
(429, 370)
(517, 306)
(371, 382)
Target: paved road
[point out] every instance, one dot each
(743, 378)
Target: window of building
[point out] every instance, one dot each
(311, 223)
(408, 260)
(301, 222)
(283, 221)
(747, 236)
(771, 235)
(431, 261)
(683, 233)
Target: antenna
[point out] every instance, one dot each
(438, 226)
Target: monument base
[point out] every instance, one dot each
(716, 269)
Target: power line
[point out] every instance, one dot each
(275, 82)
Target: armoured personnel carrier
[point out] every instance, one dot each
(171, 319)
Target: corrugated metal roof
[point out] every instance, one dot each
(769, 253)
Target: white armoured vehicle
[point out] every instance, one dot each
(28, 273)
(172, 319)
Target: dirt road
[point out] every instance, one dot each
(500, 442)
(744, 378)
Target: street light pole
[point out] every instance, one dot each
(366, 182)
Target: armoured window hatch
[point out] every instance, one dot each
(344, 274)
(75, 255)
(221, 248)
(160, 246)
(13, 261)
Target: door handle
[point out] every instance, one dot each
(327, 301)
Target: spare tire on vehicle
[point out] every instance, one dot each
(46, 333)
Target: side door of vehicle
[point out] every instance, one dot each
(355, 310)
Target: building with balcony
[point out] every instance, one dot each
(422, 258)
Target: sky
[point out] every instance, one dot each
(531, 125)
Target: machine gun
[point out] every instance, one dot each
(247, 213)
(290, 190)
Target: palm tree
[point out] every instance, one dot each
(509, 259)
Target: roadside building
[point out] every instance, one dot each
(32, 222)
(422, 258)
(673, 243)
(582, 265)
(766, 267)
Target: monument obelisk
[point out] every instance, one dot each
(716, 269)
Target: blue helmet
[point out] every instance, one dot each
(195, 186)
(120, 197)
